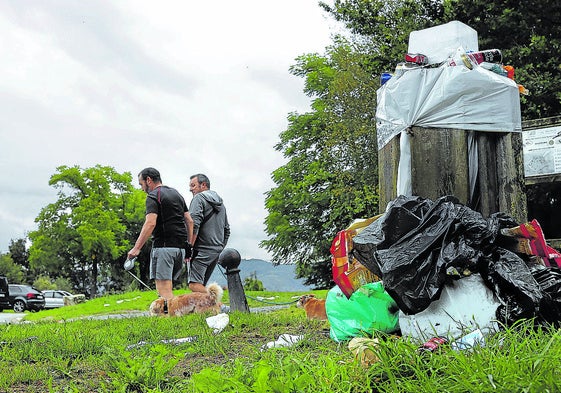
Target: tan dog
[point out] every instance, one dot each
(315, 308)
(194, 302)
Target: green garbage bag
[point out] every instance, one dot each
(369, 309)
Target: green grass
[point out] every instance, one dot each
(64, 351)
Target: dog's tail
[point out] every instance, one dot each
(216, 291)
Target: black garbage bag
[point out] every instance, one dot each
(402, 215)
(412, 270)
(549, 280)
(418, 244)
(510, 278)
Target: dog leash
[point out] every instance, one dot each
(128, 265)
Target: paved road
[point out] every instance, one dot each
(7, 317)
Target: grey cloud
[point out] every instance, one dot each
(89, 33)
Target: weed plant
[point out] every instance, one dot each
(66, 350)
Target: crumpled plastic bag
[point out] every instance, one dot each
(363, 350)
(368, 309)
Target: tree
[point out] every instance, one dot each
(251, 283)
(331, 174)
(12, 271)
(20, 256)
(529, 35)
(84, 232)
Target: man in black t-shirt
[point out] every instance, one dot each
(169, 223)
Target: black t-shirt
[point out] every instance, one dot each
(170, 206)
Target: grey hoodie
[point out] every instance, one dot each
(210, 221)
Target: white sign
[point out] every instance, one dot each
(542, 151)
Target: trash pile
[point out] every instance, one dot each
(445, 271)
(437, 271)
(447, 82)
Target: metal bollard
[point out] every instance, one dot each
(230, 260)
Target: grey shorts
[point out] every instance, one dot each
(202, 266)
(162, 261)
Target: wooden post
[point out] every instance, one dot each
(440, 166)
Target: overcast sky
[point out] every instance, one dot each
(183, 86)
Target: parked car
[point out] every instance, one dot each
(55, 298)
(4, 298)
(21, 298)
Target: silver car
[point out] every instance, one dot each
(55, 298)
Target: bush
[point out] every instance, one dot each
(43, 283)
(251, 283)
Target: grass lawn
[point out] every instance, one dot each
(67, 350)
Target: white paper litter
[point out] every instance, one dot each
(284, 340)
(218, 322)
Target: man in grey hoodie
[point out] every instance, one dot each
(210, 232)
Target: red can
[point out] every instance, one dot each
(433, 344)
(416, 58)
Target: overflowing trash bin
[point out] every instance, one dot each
(449, 123)
(457, 266)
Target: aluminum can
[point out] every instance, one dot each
(433, 344)
(416, 58)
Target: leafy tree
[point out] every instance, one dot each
(12, 271)
(19, 252)
(20, 256)
(251, 283)
(529, 35)
(331, 174)
(43, 283)
(83, 233)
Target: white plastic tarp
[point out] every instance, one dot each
(447, 97)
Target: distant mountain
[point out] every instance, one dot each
(280, 278)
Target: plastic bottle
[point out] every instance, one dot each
(489, 56)
(129, 263)
(496, 68)
(509, 71)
